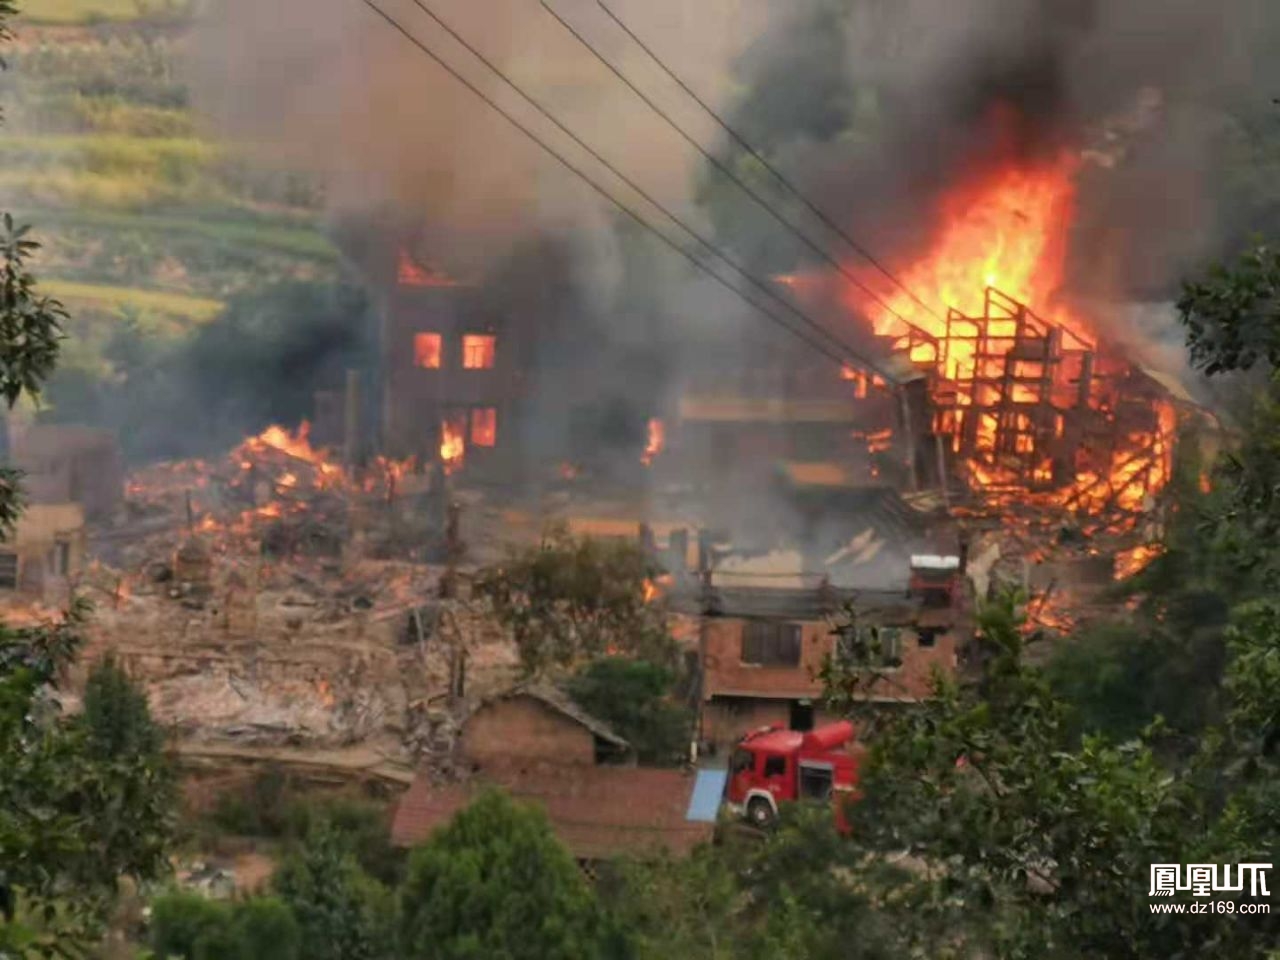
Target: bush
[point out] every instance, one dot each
(496, 883)
(361, 824)
(266, 929)
(179, 920)
(633, 697)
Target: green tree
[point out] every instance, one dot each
(179, 920)
(116, 716)
(1049, 840)
(266, 929)
(73, 820)
(343, 914)
(496, 883)
(634, 697)
(362, 824)
(570, 598)
(1232, 316)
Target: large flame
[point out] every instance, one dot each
(453, 443)
(1006, 229)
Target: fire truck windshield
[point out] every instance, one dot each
(742, 760)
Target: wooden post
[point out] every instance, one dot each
(351, 419)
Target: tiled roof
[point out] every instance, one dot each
(597, 812)
(554, 698)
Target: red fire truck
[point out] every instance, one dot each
(773, 765)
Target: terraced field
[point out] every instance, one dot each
(142, 218)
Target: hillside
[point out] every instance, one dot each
(144, 216)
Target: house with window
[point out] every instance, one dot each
(452, 376)
(769, 624)
(45, 551)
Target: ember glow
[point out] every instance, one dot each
(453, 443)
(1008, 230)
(1031, 404)
(1131, 562)
(296, 445)
(657, 436)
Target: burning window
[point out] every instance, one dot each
(484, 427)
(426, 350)
(769, 644)
(453, 444)
(477, 351)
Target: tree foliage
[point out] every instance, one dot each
(570, 598)
(75, 814)
(343, 913)
(495, 883)
(188, 926)
(1037, 843)
(1232, 316)
(634, 698)
(180, 920)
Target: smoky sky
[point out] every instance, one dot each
(1143, 88)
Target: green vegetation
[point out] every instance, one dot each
(496, 883)
(102, 296)
(569, 599)
(98, 11)
(344, 914)
(150, 225)
(635, 698)
(188, 926)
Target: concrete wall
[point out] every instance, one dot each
(524, 729)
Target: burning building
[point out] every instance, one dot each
(451, 373)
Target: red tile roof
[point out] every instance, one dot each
(597, 812)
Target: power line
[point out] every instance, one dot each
(729, 174)
(631, 214)
(612, 168)
(649, 198)
(741, 141)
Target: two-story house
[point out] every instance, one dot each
(767, 628)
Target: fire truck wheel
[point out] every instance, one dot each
(759, 813)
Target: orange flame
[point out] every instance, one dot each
(1006, 229)
(296, 445)
(657, 436)
(1134, 561)
(453, 444)
(655, 589)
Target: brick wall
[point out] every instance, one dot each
(523, 729)
(726, 674)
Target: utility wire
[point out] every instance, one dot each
(824, 349)
(716, 252)
(755, 154)
(839, 344)
(728, 173)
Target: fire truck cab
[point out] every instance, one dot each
(773, 765)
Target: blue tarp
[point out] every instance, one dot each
(708, 789)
